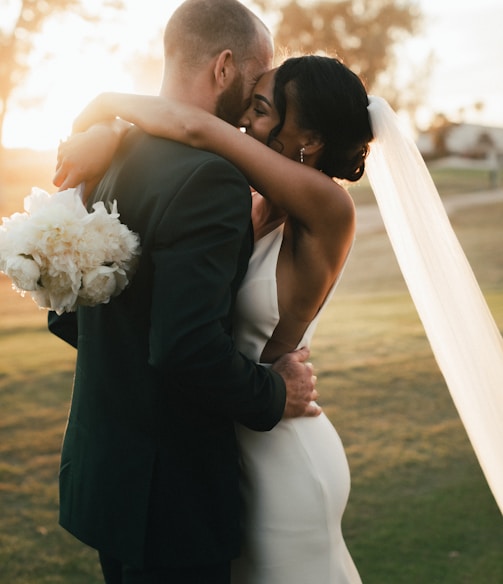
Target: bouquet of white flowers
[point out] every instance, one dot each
(65, 256)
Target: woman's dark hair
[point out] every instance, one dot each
(330, 100)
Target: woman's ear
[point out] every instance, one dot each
(224, 69)
(312, 143)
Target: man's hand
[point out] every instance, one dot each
(300, 382)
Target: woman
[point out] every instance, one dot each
(295, 478)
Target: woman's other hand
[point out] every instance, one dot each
(86, 156)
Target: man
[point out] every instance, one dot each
(149, 473)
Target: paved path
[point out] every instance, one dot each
(369, 219)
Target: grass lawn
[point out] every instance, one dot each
(420, 511)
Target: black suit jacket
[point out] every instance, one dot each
(149, 471)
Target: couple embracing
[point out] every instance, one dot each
(195, 451)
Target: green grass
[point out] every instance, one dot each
(36, 373)
(420, 511)
(449, 181)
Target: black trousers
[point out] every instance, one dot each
(117, 573)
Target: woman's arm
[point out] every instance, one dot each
(312, 199)
(320, 229)
(85, 156)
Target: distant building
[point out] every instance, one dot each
(469, 140)
(465, 145)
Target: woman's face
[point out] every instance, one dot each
(262, 117)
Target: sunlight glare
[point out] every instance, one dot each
(69, 67)
(70, 64)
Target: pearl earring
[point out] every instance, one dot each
(302, 150)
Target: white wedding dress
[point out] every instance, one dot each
(295, 478)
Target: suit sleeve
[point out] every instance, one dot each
(64, 326)
(195, 257)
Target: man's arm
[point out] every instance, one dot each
(64, 326)
(196, 257)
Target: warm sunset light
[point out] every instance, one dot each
(70, 66)
(66, 85)
(268, 354)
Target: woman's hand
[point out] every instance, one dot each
(86, 156)
(100, 109)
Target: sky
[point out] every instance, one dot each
(464, 35)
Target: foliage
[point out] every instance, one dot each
(364, 33)
(16, 42)
(439, 131)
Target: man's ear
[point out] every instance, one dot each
(224, 69)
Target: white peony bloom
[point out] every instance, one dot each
(64, 255)
(121, 281)
(98, 285)
(60, 300)
(42, 299)
(23, 271)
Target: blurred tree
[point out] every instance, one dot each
(17, 37)
(365, 34)
(439, 130)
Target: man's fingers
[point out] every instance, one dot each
(301, 354)
(313, 410)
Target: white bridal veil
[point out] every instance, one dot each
(464, 338)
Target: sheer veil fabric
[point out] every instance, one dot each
(462, 333)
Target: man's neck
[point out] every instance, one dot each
(191, 89)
